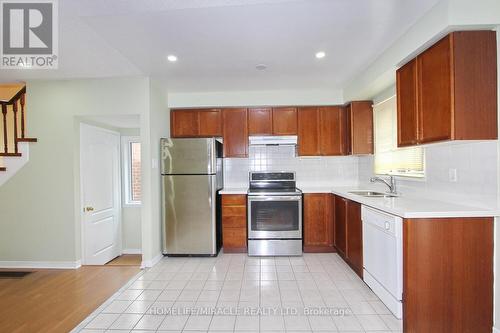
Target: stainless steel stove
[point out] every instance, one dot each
(274, 215)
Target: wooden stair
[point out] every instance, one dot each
(12, 134)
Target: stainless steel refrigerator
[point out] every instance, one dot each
(191, 177)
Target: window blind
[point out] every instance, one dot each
(389, 159)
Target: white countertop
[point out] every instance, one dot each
(405, 206)
(416, 207)
(234, 190)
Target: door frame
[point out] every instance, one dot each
(118, 190)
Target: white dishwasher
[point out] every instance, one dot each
(383, 257)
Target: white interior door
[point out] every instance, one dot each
(101, 206)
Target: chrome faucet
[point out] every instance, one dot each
(391, 183)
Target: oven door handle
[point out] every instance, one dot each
(275, 198)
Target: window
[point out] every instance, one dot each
(389, 159)
(131, 147)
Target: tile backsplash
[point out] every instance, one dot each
(310, 171)
(476, 168)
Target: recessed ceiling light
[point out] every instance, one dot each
(261, 67)
(172, 58)
(320, 54)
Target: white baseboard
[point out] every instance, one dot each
(41, 264)
(132, 251)
(152, 262)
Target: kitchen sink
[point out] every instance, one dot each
(373, 194)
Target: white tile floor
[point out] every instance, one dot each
(237, 293)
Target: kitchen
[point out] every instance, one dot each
(284, 193)
(273, 166)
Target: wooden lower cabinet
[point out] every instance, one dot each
(340, 240)
(349, 233)
(354, 234)
(234, 223)
(448, 275)
(318, 222)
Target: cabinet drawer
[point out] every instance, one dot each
(234, 221)
(234, 237)
(234, 199)
(239, 211)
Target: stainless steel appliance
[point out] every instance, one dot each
(274, 215)
(191, 176)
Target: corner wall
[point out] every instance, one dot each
(39, 219)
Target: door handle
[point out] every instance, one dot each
(88, 209)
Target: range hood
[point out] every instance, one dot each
(281, 140)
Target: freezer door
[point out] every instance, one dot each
(188, 156)
(189, 221)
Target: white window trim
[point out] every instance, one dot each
(410, 176)
(127, 171)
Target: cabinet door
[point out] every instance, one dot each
(260, 121)
(434, 92)
(184, 123)
(361, 127)
(354, 237)
(332, 130)
(348, 130)
(318, 223)
(308, 134)
(210, 122)
(234, 218)
(285, 121)
(235, 132)
(406, 82)
(340, 225)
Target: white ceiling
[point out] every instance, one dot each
(219, 42)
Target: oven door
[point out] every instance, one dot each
(274, 217)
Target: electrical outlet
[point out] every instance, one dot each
(452, 175)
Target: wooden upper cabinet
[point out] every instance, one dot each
(285, 121)
(340, 239)
(455, 91)
(235, 132)
(332, 127)
(210, 122)
(184, 123)
(318, 222)
(435, 92)
(354, 235)
(195, 123)
(260, 121)
(308, 131)
(360, 123)
(406, 78)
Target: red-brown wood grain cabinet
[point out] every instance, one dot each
(318, 222)
(234, 223)
(448, 275)
(194, 123)
(359, 128)
(285, 121)
(354, 235)
(449, 91)
(260, 121)
(340, 239)
(235, 132)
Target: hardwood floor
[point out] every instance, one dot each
(58, 300)
(126, 260)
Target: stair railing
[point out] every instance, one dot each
(16, 104)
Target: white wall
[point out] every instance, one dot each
(310, 171)
(154, 125)
(40, 205)
(256, 98)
